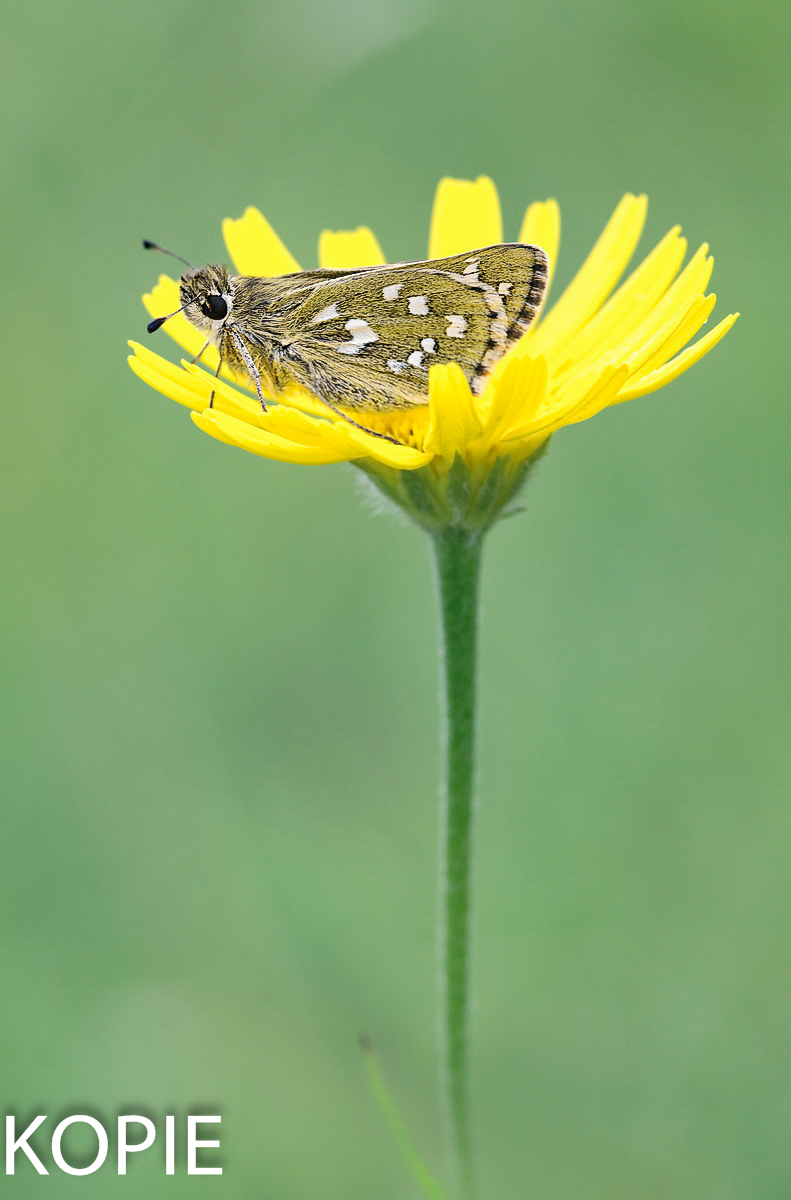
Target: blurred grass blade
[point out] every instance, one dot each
(395, 1123)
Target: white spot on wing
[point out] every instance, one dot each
(326, 314)
(457, 325)
(429, 345)
(395, 366)
(361, 332)
(472, 266)
(391, 291)
(348, 348)
(415, 359)
(418, 306)
(504, 288)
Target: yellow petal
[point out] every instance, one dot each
(688, 286)
(637, 296)
(189, 385)
(254, 246)
(594, 281)
(227, 399)
(349, 248)
(555, 415)
(541, 227)
(686, 325)
(517, 394)
(466, 216)
(325, 429)
(682, 362)
(339, 442)
(525, 448)
(257, 441)
(693, 279)
(453, 420)
(604, 392)
(360, 444)
(325, 432)
(601, 394)
(292, 425)
(635, 352)
(166, 378)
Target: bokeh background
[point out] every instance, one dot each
(218, 673)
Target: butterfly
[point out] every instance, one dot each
(363, 339)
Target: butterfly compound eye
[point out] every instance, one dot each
(214, 306)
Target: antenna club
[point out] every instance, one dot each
(149, 245)
(156, 324)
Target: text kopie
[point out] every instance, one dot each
(134, 1134)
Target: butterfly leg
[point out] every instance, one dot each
(252, 369)
(201, 352)
(216, 376)
(198, 357)
(340, 413)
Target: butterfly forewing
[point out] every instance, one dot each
(366, 339)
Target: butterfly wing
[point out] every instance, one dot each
(365, 339)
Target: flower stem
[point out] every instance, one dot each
(457, 557)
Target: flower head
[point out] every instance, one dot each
(594, 347)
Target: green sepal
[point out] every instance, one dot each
(458, 498)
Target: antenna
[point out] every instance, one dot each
(158, 322)
(153, 246)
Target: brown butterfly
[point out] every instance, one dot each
(364, 339)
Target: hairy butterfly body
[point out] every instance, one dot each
(364, 339)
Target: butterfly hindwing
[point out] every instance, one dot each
(517, 272)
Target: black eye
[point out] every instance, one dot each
(214, 306)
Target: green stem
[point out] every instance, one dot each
(457, 556)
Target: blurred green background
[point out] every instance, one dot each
(218, 673)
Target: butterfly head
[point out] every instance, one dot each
(207, 298)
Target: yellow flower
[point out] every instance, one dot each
(594, 347)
